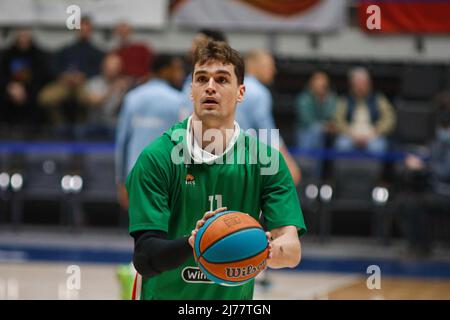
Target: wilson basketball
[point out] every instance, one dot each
(231, 248)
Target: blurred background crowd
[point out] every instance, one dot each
(370, 132)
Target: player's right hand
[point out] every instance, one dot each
(201, 222)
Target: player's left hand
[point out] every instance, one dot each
(201, 222)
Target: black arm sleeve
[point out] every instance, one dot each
(154, 254)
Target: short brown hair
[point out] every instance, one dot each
(222, 52)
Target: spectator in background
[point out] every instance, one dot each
(65, 98)
(442, 99)
(316, 107)
(203, 36)
(364, 118)
(148, 111)
(104, 94)
(255, 111)
(136, 57)
(425, 192)
(24, 70)
(81, 56)
(65, 103)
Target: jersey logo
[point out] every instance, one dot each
(194, 275)
(190, 180)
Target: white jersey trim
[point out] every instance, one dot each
(201, 156)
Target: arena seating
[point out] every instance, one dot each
(410, 87)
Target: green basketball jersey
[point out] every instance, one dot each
(171, 196)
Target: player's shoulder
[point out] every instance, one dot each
(261, 145)
(266, 159)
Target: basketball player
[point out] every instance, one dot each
(182, 175)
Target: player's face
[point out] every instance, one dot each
(215, 91)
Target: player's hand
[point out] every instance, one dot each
(201, 222)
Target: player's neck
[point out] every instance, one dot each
(205, 131)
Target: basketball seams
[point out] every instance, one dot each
(207, 223)
(202, 232)
(227, 262)
(217, 271)
(207, 239)
(223, 237)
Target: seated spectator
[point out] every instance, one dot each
(136, 57)
(65, 98)
(81, 55)
(364, 118)
(104, 95)
(315, 108)
(442, 100)
(254, 113)
(64, 101)
(23, 71)
(425, 191)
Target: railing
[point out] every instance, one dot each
(86, 147)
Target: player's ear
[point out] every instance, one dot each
(241, 91)
(190, 94)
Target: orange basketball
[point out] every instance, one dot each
(231, 248)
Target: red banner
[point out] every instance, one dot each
(283, 7)
(261, 15)
(431, 16)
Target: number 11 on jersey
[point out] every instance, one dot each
(218, 198)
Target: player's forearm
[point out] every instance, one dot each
(286, 252)
(154, 254)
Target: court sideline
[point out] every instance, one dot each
(38, 263)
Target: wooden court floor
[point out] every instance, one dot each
(42, 281)
(395, 288)
(334, 286)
